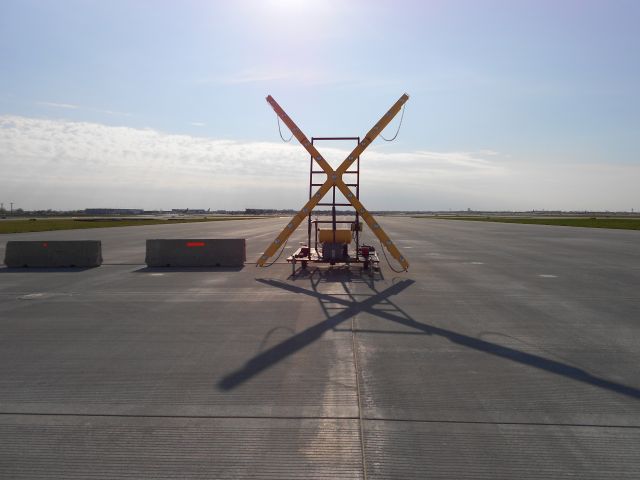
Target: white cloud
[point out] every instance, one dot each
(63, 164)
(75, 164)
(67, 106)
(70, 106)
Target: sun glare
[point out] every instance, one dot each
(286, 4)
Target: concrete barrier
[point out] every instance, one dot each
(206, 252)
(45, 253)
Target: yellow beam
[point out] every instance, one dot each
(293, 224)
(313, 201)
(304, 141)
(372, 134)
(373, 225)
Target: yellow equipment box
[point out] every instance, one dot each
(343, 235)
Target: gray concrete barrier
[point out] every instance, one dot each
(45, 253)
(208, 252)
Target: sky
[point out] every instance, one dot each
(514, 104)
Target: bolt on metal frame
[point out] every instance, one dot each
(334, 178)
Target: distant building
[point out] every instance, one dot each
(113, 211)
(189, 210)
(259, 211)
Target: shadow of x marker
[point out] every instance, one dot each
(273, 355)
(297, 342)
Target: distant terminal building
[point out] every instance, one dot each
(194, 211)
(113, 211)
(259, 211)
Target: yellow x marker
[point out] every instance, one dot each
(334, 177)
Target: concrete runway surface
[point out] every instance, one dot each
(507, 351)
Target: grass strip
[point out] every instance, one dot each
(586, 222)
(49, 224)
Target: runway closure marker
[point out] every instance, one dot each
(334, 179)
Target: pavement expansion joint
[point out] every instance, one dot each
(231, 417)
(359, 395)
(522, 424)
(360, 418)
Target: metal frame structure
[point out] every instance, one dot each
(334, 180)
(333, 203)
(365, 254)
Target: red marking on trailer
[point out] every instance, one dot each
(45, 244)
(195, 244)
